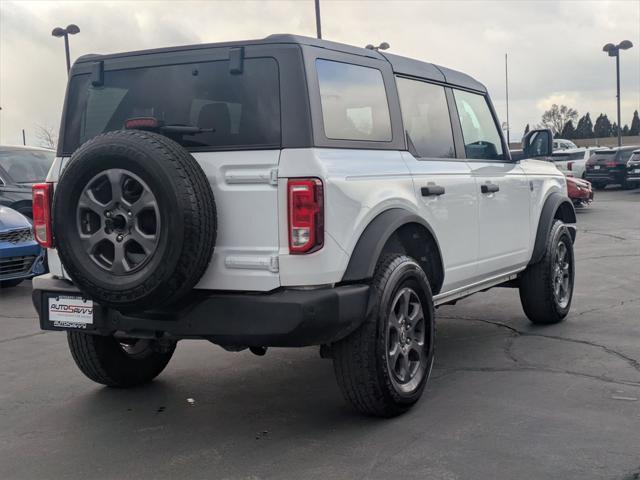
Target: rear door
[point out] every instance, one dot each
(442, 182)
(502, 188)
(236, 104)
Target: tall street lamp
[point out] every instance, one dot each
(614, 51)
(318, 25)
(65, 32)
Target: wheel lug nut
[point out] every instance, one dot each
(129, 213)
(119, 238)
(107, 214)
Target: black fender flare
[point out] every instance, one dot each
(366, 253)
(552, 204)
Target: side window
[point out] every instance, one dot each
(481, 137)
(354, 102)
(425, 115)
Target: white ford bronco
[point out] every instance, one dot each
(289, 192)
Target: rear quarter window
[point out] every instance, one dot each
(234, 111)
(354, 102)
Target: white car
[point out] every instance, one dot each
(288, 192)
(572, 161)
(562, 144)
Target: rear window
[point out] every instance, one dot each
(234, 110)
(560, 157)
(354, 102)
(26, 166)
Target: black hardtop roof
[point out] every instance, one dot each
(401, 65)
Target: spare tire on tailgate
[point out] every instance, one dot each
(134, 220)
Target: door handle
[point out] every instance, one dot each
(432, 190)
(489, 188)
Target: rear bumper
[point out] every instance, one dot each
(283, 318)
(605, 177)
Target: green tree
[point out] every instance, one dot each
(635, 124)
(614, 130)
(556, 117)
(625, 130)
(568, 131)
(585, 127)
(602, 127)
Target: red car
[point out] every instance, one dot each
(580, 191)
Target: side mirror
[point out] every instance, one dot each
(537, 143)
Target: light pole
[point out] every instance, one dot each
(318, 25)
(65, 32)
(614, 51)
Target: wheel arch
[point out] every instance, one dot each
(396, 231)
(556, 207)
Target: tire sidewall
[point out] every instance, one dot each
(407, 273)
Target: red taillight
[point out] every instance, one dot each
(306, 214)
(611, 164)
(42, 214)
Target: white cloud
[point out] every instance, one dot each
(554, 46)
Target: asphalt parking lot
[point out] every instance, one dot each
(506, 399)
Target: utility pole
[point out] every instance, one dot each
(24, 138)
(506, 88)
(318, 26)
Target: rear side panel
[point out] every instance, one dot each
(245, 189)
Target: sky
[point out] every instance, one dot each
(554, 47)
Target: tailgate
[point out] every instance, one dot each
(244, 185)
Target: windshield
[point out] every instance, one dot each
(226, 111)
(26, 166)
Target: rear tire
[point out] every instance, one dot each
(114, 363)
(382, 368)
(599, 186)
(546, 288)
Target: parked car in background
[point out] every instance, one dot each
(563, 144)
(579, 191)
(20, 168)
(633, 167)
(572, 160)
(609, 166)
(20, 255)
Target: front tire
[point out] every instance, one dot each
(382, 368)
(546, 288)
(118, 363)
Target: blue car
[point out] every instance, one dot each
(20, 256)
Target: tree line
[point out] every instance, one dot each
(560, 119)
